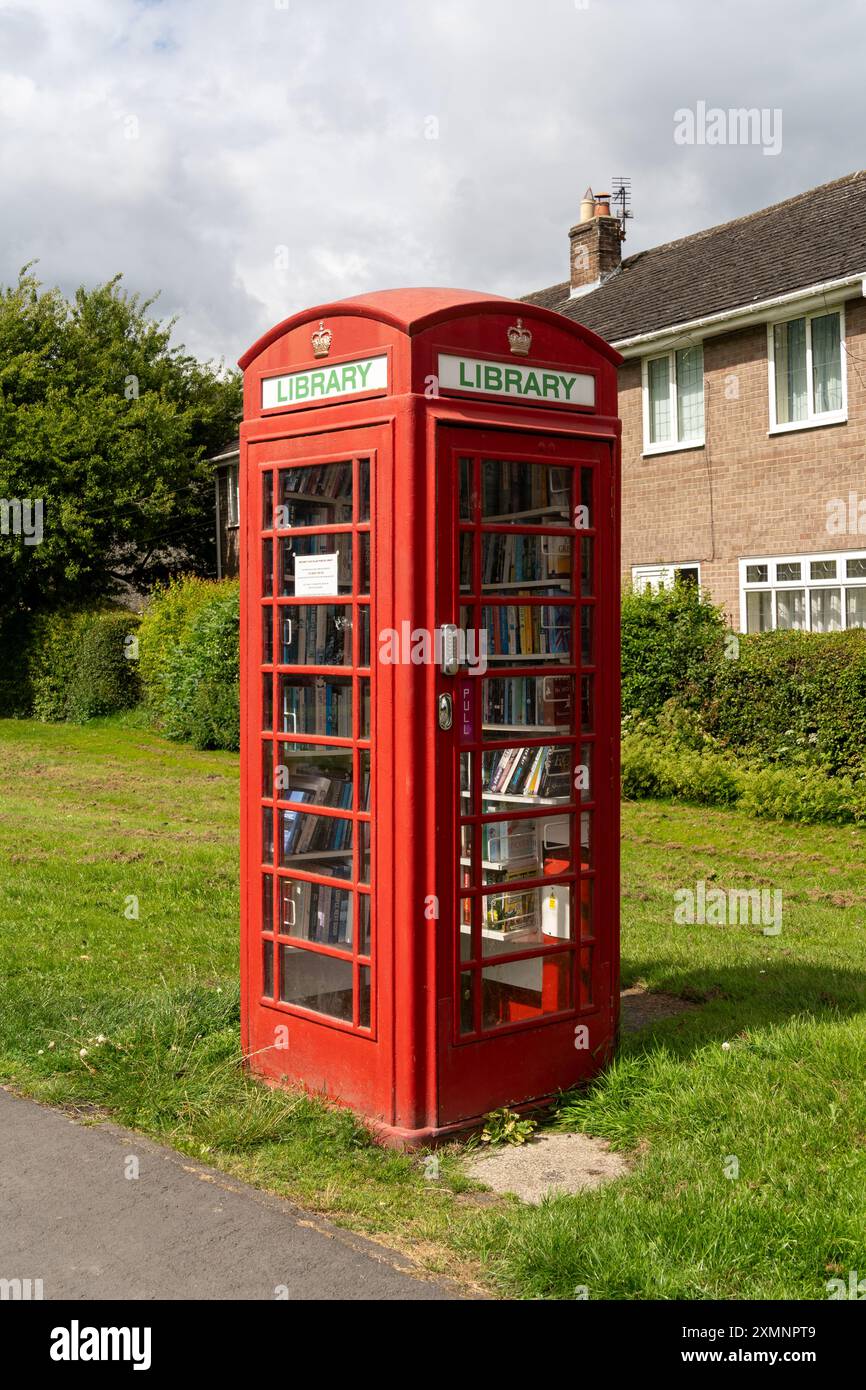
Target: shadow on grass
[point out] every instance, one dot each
(736, 999)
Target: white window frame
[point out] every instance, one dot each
(233, 497)
(775, 586)
(812, 421)
(673, 444)
(661, 576)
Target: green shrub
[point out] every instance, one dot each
(16, 692)
(78, 664)
(671, 640)
(104, 675)
(190, 659)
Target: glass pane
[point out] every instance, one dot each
(587, 954)
(587, 566)
(586, 498)
(525, 849)
(292, 584)
(315, 776)
(365, 939)
(527, 564)
(267, 834)
(267, 769)
(364, 997)
(789, 349)
(267, 702)
(856, 569)
(364, 793)
(315, 495)
(515, 492)
(467, 1002)
(364, 698)
(317, 705)
(267, 636)
(584, 780)
(320, 983)
(267, 902)
(511, 920)
(822, 569)
(364, 635)
(690, 392)
(466, 551)
(538, 633)
(364, 499)
(587, 635)
(826, 609)
(466, 951)
(587, 918)
(757, 574)
(659, 386)
(364, 562)
(587, 844)
(826, 363)
(316, 912)
(526, 774)
(856, 607)
(791, 608)
(268, 969)
(786, 573)
(528, 704)
(365, 838)
(759, 612)
(468, 870)
(316, 635)
(466, 498)
(526, 989)
(316, 844)
(267, 569)
(587, 704)
(267, 501)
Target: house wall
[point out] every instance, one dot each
(746, 493)
(228, 537)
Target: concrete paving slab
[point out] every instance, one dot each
(548, 1164)
(180, 1230)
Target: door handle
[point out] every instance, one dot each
(446, 712)
(450, 663)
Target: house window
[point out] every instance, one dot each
(664, 576)
(233, 511)
(673, 394)
(807, 381)
(810, 593)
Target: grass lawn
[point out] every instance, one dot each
(92, 818)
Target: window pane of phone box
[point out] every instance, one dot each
(339, 545)
(525, 492)
(525, 775)
(315, 776)
(316, 844)
(319, 495)
(526, 989)
(525, 849)
(515, 633)
(316, 635)
(532, 565)
(316, 912)
(322, 984)
(517, 919)
(316, 705)
(532, 704)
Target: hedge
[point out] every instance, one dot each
(80, 664)
(190, 661)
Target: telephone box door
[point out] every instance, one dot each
(527, 828)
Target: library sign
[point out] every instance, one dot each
(524, 383)
(326, 383)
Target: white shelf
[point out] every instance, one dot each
(505, 517)
(529, 798)
(534, 729)
(536, 657)
(560, 580)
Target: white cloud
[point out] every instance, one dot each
(256, 127)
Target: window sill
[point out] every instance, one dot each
(651, 450)
(819, 423)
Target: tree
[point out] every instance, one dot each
(110, 427)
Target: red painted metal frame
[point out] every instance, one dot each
(407, 1073)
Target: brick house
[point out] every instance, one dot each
(743, 398)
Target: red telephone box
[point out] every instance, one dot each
(430, 717)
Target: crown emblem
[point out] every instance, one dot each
(520, 339)
(321, 341)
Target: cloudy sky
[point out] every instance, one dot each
(248, 158)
